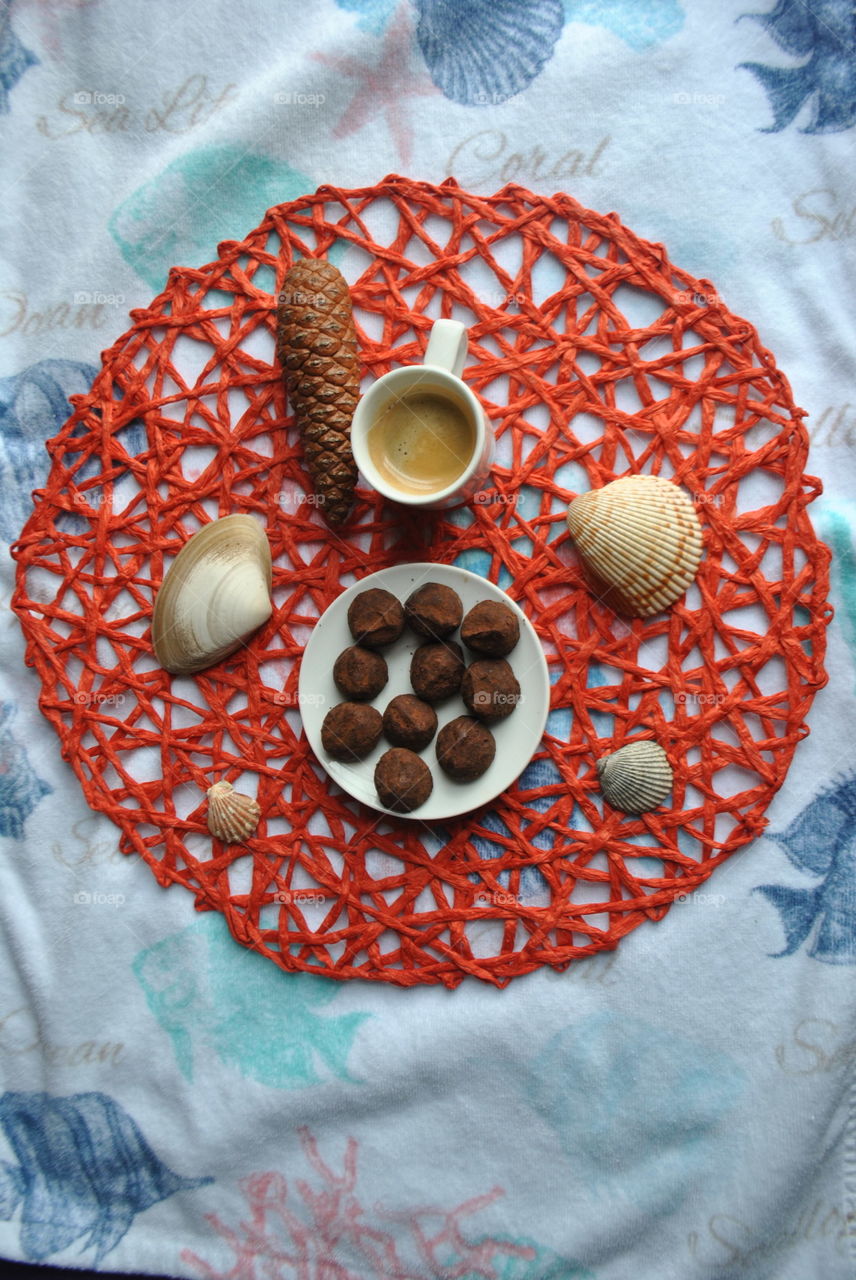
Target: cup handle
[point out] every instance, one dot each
(447, 346)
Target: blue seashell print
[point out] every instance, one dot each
(206, 992)
(641, 24)
(543, 1264)
(374, 14)
(21, 788)
(33, 406)
(821, 842)
(83, 1169)
(245, 183)
(837, 526)
(824, 32)
(635, 1106)
(482, 52)
(14, 58)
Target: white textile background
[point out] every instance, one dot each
(172, 1104)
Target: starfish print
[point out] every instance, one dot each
(384, 86)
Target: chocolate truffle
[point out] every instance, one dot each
(490, 689)
(436, 670)
(359, 673)
(409, 722)
(375, 618)
(465, 749)
(434, 611)
(490, 628)
(403, 781)
(351, 730)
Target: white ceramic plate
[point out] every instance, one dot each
(517, 737)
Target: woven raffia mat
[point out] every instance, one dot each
(594, 358)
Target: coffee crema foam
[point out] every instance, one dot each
(421, 443)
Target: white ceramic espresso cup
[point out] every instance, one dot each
(438, 374)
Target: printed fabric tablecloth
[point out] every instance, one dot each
(172, 1103)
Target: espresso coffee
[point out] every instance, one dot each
(421, 442)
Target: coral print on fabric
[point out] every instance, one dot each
(324, 1227)
(14, 58)
(33, 406)
(82, 1172)
(384, 84)
(821, 842)
(210, 995)
(822, 35)
(21, 788)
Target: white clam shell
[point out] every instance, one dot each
(641, 538)
(637, 777)
(232, 816)
(215, 595)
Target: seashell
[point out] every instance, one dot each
(640, 541)
(215, 595)
(483, 52)
(636, 777)
(232, 816)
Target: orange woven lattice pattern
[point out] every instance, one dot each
(594, 358)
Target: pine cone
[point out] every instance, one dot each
(317, 349)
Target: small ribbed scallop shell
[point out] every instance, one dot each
(232, 816)
(635, 778)
(640, 537)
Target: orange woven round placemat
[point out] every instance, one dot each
(594, 357)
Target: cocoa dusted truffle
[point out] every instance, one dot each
(375, 618)
(434, 611)
(491, 628)
(490, 689)
(465, 749)
(436, 670)
(403, 781)
(359, 673)
(351, 730)
(409, 722)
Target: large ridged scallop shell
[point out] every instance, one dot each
(640, 540)
(636, 777)
(232, 816)
(215, 595)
